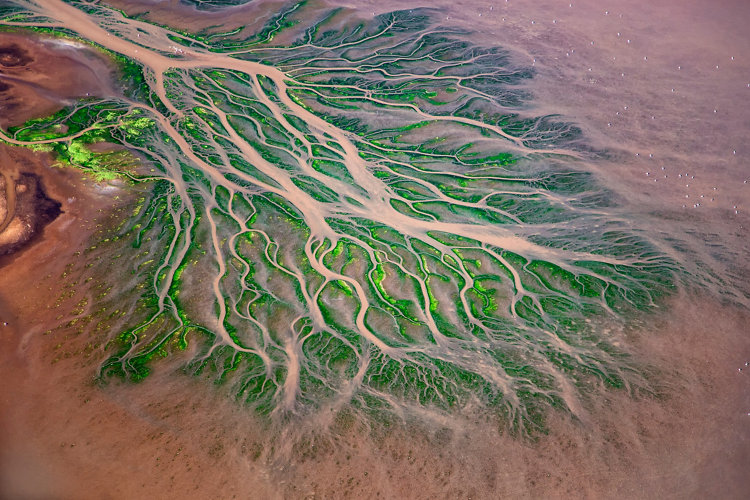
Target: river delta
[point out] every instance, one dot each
(329, 249)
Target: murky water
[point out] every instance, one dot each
(480, 227)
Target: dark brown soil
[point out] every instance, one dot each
(12, 55)
(34, 210)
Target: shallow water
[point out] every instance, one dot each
(384, 234)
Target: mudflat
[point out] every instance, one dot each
(39, 75)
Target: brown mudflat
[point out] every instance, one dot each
(40, 75)
(26, 209)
